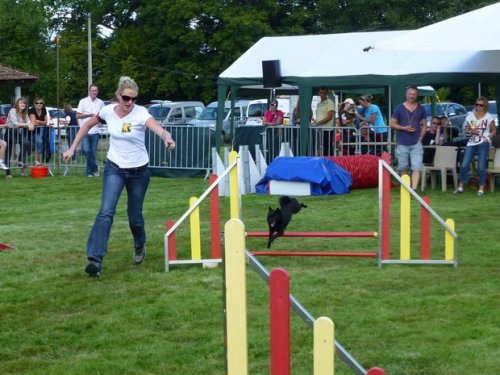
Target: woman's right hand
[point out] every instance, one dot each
(67, 155)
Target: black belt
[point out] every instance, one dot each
(130, 170)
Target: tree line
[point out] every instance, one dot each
(175, 49)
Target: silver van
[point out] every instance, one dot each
(175, 113)
(209, 117)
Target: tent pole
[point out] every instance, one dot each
(305, 98)
(221, 98)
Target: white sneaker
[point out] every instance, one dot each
(3, 166)
(37, 163)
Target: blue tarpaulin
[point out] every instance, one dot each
(325, 177)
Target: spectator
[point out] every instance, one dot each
(366, 139)
(371, 115)
(3, 149)
(19, 132)
(71, 123)
(481, 126)
(126, 167)
(296, 114)
(409, 121)
(325, 114)
(39, 119)
(346, 116)
(87, 109)
(273, 116)
(432, 137)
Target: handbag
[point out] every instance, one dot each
(496, 141)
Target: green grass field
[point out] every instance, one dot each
(408, 319)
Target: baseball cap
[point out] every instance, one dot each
(349, 100)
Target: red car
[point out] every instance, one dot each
(4, 111)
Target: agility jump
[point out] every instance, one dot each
(324, 347)
(383, 254)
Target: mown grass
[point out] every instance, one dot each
(408, 319)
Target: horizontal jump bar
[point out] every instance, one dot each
(312, 254)
(316, 234)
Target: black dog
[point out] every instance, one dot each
(279, 218)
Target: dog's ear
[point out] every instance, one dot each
(270, 209)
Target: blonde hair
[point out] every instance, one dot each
(126, 82)
(23, 113)
(484, 99)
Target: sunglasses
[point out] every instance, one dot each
(272, 104)
(479, 104)
(435, 123)
(39, 103)
(127, 98)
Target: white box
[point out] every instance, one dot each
(280, 187)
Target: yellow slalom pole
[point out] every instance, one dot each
(234, 198)
(236, 303)
(405, 220)
(194, 225)
(449, 243)
(324, 346)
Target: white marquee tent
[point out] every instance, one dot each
(473, 31)
(350, 61)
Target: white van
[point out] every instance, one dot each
(208, 117)
(175, 113)
(255, 111)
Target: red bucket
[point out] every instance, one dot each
(40, 171)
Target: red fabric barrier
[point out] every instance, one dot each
(363, 168)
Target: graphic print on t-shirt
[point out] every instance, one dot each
(126, 127)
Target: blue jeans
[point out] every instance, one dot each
(89, 148)
(136, 182)
(482, 151)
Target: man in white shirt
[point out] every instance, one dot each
(89, 107)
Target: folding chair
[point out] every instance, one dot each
(445, 160)
(493, 172)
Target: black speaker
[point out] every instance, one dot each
(271, 73)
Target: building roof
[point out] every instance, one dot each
(13, 76)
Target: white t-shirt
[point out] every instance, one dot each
(322, 109)
(483, 124)
(126, 136)
(87, 105)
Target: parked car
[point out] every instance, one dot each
(492, 108)
(53, 114)
(455, 112)
(176, 113)
(4, 112)
(208, 117)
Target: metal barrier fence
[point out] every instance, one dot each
(45, 145)
(193, 146)
(338, 141)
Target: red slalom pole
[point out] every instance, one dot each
(215, 219)
(279, 307)
(425, 231)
